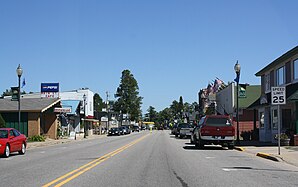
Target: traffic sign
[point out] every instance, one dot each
(278, 95)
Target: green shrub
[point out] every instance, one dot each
(36, 138)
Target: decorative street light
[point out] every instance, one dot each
(19, 73)
(237, 69)
(84, 97)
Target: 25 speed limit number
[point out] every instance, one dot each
(278, 95)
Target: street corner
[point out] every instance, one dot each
(268, 156)
(239, 148)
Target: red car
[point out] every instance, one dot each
(214, 129)
(12, 140)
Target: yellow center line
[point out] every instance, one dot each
(77, 172)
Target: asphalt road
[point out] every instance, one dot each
(142, 159)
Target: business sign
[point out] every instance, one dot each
(62, 110)
(278, 95)
(50, 90)
(15, 93)
(49, 87)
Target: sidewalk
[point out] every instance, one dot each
(288, 154)
(50, 142)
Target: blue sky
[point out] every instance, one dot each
(172, 47)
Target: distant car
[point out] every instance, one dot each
(214, 129)
(174, 129)
(128, 129)
(125, 129)
(114, 131)
(11, 140)
(184, 130)
(160, 127)
(135, 129)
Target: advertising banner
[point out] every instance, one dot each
(49, 87)
(50, 90)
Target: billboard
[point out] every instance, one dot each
(49, 87)
(50, 90)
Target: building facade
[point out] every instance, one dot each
(37, 115)
(282, 72)
(226, 104)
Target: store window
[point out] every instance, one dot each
(274, 118)
(295, 64)
(267, 83)
(280, 76)
(262, 120)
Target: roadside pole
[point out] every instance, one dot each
(278, 97)
(278, 127)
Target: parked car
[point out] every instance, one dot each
(214, 129)
(135, 129)
(125, 130)
(174, 129)
(11, 140)
(128, 129)
(184, 130)
(115, 131)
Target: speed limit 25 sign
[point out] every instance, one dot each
(278, 95)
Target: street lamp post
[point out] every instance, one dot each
(84, 97)
(237, 69)
(19, 73)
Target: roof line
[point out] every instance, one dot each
(280, 59)
(46, 108)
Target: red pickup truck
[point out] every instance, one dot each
(214, 129)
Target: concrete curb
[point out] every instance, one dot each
(239, 148)
(267, 156)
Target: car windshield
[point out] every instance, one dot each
(3, 134)
(218, 122)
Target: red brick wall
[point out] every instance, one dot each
(246, 121)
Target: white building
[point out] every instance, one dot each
(79, 95)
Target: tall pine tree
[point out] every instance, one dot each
(127, 95)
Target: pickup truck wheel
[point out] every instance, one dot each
(180, 136)
(201, 144)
